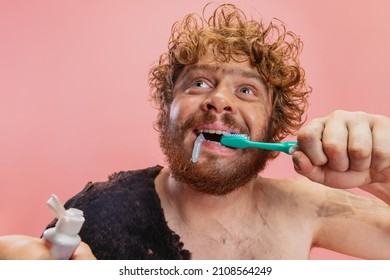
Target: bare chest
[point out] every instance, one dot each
(254, 241)
(267, 221)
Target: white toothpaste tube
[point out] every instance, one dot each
(64, 237)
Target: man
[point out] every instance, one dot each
(227, 74)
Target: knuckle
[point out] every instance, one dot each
(380, 159)
(380, 154)
(348, 115)
(305, 136)
(358, 153)
(337, 158)
(310, 132)
(333, 150)
(382, 119)
(338, 114)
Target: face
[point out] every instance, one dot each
(213, 98)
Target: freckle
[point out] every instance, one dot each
(223, 241)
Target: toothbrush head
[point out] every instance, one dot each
(235, 140)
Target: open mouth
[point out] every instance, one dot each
(212, 135)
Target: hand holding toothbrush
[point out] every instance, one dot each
(346, 150)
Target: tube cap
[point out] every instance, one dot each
(69, 221)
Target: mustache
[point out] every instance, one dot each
(208, 118)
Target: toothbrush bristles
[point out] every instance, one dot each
(240, 135)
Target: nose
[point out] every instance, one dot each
(219, 101)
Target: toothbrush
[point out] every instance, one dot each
(241, 141)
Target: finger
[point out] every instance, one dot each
(381, 144)
(326, 176)
(359, 145)
(83, 252)
(334, 144)
(309, 138)
(304, 166)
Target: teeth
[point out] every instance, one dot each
(220, 132)
(212, 131)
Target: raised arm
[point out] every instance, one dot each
(349, 150)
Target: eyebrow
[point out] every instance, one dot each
(226, 71)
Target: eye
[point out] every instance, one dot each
(200, 84)
(246, 91)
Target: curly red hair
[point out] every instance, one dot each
(229, 34)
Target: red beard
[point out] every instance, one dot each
(209, 177)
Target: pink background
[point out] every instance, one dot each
(74, 95)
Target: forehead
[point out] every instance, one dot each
(234, 68)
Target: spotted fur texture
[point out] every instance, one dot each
(124, 218)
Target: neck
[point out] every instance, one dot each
(188, 203)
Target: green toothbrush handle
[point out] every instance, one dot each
(286, 147)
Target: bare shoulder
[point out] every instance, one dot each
(297, 188)
(322, 195)
(339, 220)
(296, 197)
(321, 200)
